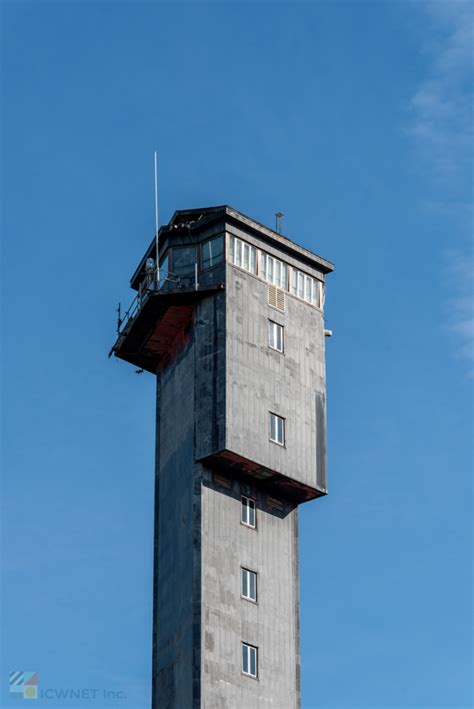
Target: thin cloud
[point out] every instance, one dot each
(442, 129)
(442, 106)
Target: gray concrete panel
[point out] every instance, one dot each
(260, 380)
(178, 568)
(271, 624)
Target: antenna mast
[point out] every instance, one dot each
(156, 219)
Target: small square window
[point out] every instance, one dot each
(249, 660)
(248, 584)
(248, 512)
(277, 429)
(275, 336)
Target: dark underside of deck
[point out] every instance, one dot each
(152, 338)
(241, 467)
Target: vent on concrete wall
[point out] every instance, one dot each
(276, 298)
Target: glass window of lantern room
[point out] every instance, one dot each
(183, 260)
(212, 252)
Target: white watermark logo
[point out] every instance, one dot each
(25, 685)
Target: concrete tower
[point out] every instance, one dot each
(232, 325)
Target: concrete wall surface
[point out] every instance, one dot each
(176, 620)
(271, 624)
(260, 380)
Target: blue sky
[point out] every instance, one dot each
(353, 118)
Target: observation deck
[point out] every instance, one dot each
(155, 326)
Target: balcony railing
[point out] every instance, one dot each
(153, 282)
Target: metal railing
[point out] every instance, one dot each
(153, 282)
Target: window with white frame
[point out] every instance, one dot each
(275, 336)
(277, 429)
(248, 584)
(248, 512)
(249, 660)
(274, 271)
(306, 287)
(243, 255)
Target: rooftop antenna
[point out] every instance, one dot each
(156, 219)
(279, 222)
